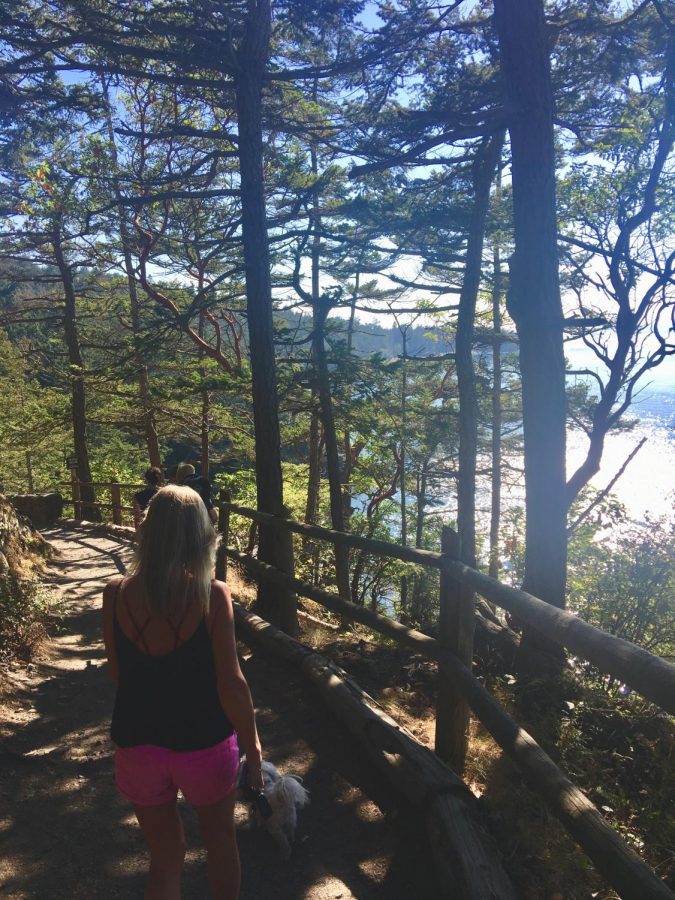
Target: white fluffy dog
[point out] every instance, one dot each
(285, 795)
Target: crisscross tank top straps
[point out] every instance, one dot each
(171, 700)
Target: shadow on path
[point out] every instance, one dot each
(66, 833)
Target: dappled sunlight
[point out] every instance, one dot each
(66, 824)
(326, 883)
(378, 863)
(129, 864)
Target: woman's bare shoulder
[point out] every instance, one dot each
(219, 589)
(111, 587)
(220, 600)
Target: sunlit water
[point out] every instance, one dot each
(647, 487)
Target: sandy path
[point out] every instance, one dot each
(65, 832)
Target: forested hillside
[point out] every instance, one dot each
(196, 240)
(374, 266)
(197, 234)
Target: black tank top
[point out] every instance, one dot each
(170, 700)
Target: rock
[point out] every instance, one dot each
(42, 509)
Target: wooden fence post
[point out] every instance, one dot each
(455, 633)
(287, 599)
(77, 505)
(224, 529)
(116, 501)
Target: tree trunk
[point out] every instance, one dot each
(314, 457)
(483, 173)
(419, 580)
(421, 504)
(533, 299)
(76, 373)
(149, 422)
(275, 545)
(349, 457)
(331, 444)
(320, 314)
(205, 398)
(310, 548)
(496, 480)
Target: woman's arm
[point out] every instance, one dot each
(233, 690)
(109, 596)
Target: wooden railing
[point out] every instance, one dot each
(459, 690)
(113, 488)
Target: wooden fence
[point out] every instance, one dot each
(113, 489)
(459, 691)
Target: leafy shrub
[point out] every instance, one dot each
(25, 606)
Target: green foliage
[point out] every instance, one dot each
(622, 578)
(33, 425)
(620, 751)
(25, 608)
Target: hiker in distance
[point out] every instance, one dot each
(185, 474)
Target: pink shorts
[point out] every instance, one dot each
(151, 776)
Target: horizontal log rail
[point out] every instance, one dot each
(467, 865)
(105, 484)
(407, 554)
(641, 671)
(614, 859)
(98, 503)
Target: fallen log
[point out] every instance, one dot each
(467, 864)
(320, 623)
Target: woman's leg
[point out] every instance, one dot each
(162, 829)
(222, 855)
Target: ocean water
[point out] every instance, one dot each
(647, 487)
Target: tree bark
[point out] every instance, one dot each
(496, 479)
(275, 545)
(310, 548)
(533, 300)
(314, 458)
(205, 398)
(76, 373)
(320, 311)
(483, 173)
(402, 463)
(349, 454)
(331, 444)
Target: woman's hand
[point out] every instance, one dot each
(254, 776)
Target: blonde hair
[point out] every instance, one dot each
(176, 551)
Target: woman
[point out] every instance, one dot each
(182, 702)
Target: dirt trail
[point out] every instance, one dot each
(66, 833)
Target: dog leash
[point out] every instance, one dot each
(250, 795)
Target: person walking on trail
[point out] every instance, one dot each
(153, 482)
(185, 474)
(182, 704)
